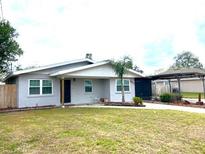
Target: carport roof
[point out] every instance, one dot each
(179, 73)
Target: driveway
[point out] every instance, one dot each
(152, 106)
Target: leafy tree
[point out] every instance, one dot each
(186, 59)
(9, 47)
(138, 69)
(121, 68)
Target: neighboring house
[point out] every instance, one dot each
(76, 82)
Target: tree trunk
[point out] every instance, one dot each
(123, 91)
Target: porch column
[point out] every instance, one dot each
(62, 91)
(179, 85)
(203, 85)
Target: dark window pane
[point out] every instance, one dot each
(119, 88)
(88, 83)
(34, 90)
(126, 82)
(47, 83)
(119, 82)
(126, 88)
(35, 83)
(88, 89)
(47, 90)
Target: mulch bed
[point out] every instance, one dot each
(6, 110)
(122, 104)
(189, 105)
(182, 103)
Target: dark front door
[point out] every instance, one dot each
(67, 97)
(143, 88)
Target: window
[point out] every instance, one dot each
(40, 87)
(47, 87)
(34, 88)
(88, 86)
(126, 83)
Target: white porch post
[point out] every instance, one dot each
(203, 85)
(62, 92)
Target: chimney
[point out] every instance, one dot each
(88, 56)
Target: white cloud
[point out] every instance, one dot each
(52, 30)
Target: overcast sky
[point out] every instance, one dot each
(152, 32)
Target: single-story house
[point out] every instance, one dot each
(75, 82)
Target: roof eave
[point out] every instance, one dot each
(45, 67)
(79, 68)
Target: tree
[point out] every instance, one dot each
(9, 47)
(121, 68)
(138, 69)
(186, 59)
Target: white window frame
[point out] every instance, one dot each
(41, 88)
(123, 82)
(33, 86)
(91, 86)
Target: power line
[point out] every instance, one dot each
(2, 15)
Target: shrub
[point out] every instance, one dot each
(137, 100)
(166, 97)
(176, 97)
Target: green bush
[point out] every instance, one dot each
(166, 97)
(137, 101)
(176, 97)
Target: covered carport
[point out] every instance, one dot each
(143, 86)
(178, 74)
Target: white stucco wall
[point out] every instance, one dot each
(102, 88)
(79, 96)
(23, 98)
(102, 71)
(116, 96)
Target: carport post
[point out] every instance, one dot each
(170, 88)
(179, 85)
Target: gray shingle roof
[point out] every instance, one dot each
(182, 72)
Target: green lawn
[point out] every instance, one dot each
(191, 95)
(89, 130)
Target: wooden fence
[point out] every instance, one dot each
(8, 96)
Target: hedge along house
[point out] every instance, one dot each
(75, 82)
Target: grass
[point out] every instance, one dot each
(192, 95)
(90, 130)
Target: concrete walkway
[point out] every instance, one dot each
(152, 106)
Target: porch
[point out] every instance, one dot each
(83, 90)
